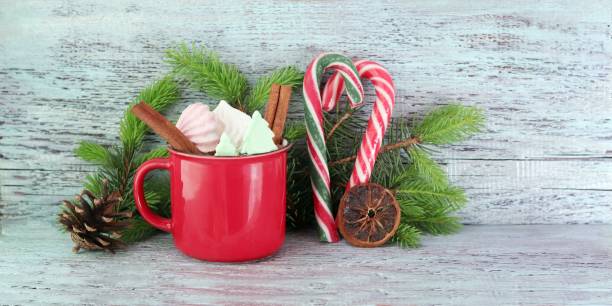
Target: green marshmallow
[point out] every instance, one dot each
(225, 147)
(258, 137)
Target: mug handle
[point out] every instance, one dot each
(157, 221)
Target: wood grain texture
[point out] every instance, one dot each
(542, 73)
(484, 265)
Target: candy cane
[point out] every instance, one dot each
(379, 120)
(313, 117)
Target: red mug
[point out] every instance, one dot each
(223, 208)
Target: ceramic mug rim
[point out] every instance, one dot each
(231, 158)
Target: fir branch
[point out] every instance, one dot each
(93, 153)
(203, 69)
(448, 197)
(440, 224)
(389, 147)
(420, 185)
(295, 130)
(299, 194)
(155, 153)
(93, 183)
(389, 165)
(427, 206)
(338, 123)
(159, 95)
(442, 126)
(450, 123)
(427, 168)
(407, 236)
(259, 94)
(157, 193)
(411, 208)
(138, 230)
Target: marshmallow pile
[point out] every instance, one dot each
(225, 130)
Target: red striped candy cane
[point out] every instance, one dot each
(379, 120)
(313, 117)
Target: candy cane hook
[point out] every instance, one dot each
(379, 120)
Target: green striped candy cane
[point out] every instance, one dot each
(313, 116)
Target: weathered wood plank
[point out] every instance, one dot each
(484, 265)
(500, 191)
(542, 74)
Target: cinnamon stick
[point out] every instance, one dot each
(164, 128)
(272, 104)
(281, 113)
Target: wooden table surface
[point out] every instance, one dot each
(483, 265)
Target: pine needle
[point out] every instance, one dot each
(426, 168)
(138, 230)
(407, 236)
(258, 96)
(449, 197)
(410, 208)
(155, 153)
(450, 123)
(300, 212)
(93, 153)
(438, 225)
(93, 183)
(203, 69)
(159, 95)
(295, 130)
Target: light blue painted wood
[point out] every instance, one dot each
(484, 265)
(541, 72)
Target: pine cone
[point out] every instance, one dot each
(93, 223)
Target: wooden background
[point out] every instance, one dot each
(541, 71)
(483, 265)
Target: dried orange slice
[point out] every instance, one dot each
(368, 215)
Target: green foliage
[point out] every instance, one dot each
(450, 123)
(426, 167)
(407, 236)
(299, 195)
(159, 95)
(299, 198)
(138, 230)
(118, 163)
(428, 207)
(93, 153)
(203, 69)
(419, 190)
(93, 183)
(295, 130)
(155, 153)
(440, 223)
(258, 96)
(344, 142)
(427, 199)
